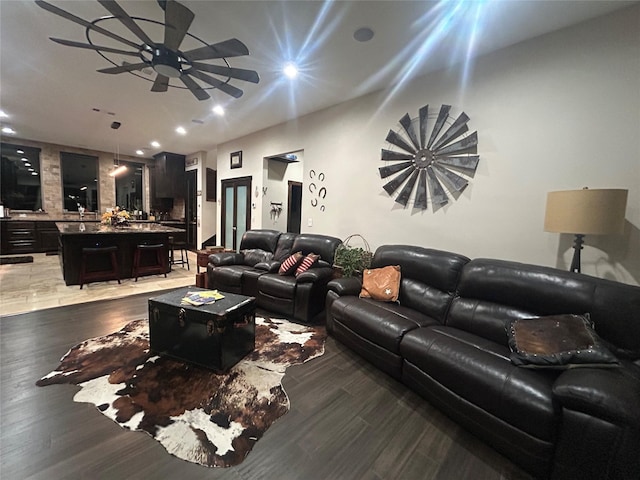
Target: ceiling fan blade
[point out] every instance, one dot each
(177, 20)
(222, 86)
(438, 195)
(88, 46)
(393, 185)
(64, 14)
(228, 48)
(423, 114)
(239, 73)
(393, 156)
(405, 193)
(391, 169)
(461, 146)
(442, 117)
(124, 68)
(421, 192)
(454, 131)
(118, 12)
(191, 84)
(395, 139)
(408, 127)
(161, 84)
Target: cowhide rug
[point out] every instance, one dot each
(197, 415)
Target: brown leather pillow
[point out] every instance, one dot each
(381, 284)
(557, 341)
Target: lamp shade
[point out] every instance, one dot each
(586, 212)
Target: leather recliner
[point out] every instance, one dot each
(446, 339)
(254, 272)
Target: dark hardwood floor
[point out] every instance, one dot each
(347, 419)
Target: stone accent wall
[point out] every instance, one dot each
(51, 182)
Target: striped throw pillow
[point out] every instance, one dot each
(307, 263)
(290, 264)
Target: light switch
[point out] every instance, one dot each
(310, 222)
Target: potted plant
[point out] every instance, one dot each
(352, 261)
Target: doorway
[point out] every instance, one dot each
(236, 210)
(190, 209)
(294, 210)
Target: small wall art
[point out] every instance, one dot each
(236, 159)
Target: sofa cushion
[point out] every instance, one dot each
(278, 286)
(481, 372)
(306, 263)
(323, 245)
(557, 341)
(381, 323)
(261, 239)
(230, 275)
(283, 248)
(290, 264)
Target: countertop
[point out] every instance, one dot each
(80, 228)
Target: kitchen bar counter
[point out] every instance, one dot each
(86, 228)
(74, 236)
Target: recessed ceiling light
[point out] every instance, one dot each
(3, 114)
(181, 131)
(290, 70)
(363, 34)
(8, 130)
(218, 110)
(139, 152)
(155, 144)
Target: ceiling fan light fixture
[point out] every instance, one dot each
(167, 63)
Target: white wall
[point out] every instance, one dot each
(558, 112)
(276, 179)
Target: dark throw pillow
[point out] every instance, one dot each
(557, 341)
(254, 256)
(289, 266)
(307, 263)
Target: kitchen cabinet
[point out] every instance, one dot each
(169, 178)
(26, 236)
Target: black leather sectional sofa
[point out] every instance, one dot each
(254, 269)
(446, 340)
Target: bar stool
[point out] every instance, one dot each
(89, 257)
(184, 255)
(157, 252)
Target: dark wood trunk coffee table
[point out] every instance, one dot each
(216, 336)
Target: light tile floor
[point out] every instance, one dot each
(26, 287)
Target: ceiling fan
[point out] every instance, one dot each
(166, 58)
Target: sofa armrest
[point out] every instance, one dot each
(608, 393)
(225, 258)
(315, 275)
(272, 266)
(345, 286)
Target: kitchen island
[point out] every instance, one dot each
(74, 236)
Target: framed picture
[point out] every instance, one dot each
(236, 159)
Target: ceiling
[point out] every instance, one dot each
(52, 93)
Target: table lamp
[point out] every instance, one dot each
(585, 212)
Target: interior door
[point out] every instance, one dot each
(191, 211)
(236, 210)
(294, 213)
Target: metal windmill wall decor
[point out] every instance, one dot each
(443, 162)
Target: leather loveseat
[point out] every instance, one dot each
(254, 270)
(446, 339)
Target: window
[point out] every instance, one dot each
(129, 187)
(20, 177)
(79, 182)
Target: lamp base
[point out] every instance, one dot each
(577, 246)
